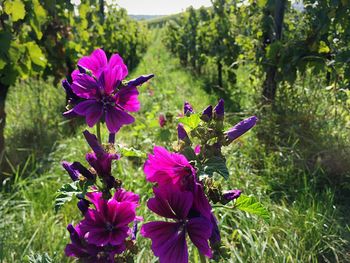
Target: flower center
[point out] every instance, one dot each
(107, 100)
(109, 227)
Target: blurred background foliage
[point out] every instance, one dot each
(285, 61)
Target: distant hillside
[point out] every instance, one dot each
(145, 17)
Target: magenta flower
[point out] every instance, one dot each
(107, 224)
(197, 149)
(89, 253)
(240, 128)
(98, 91)
(173, 170)
(121, 195)
(169, 238)
(166, 168)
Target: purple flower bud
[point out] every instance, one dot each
(82, 170)
(83, 205)
(241, 128)
(219, 110)
(74, 174)
(197, 149)
(140, 80)
(187, 108)
(161, 120)
(207, 113)
(232, 194)
(134, 230)
(181, 132)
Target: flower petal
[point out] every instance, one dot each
(116, 118)
(122, 195)
(200, 229)
(91, 109)
(85, 86)
(127, 98)
(168, 243)
(95, 62)
(116, 61)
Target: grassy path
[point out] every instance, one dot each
(305, 230)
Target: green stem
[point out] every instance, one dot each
(202, 258)
(98, 131)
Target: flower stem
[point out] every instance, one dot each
(98, 132)
(202, 258)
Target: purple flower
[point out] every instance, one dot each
(140, 80)
(219, 110)
(207, 114)
(241, 128)
(102, 97)
(181, 132)
(107, 224)
(76, 170)
(197, 149)
(100, 159)
(121, 195)
(187, 108)
(89, 253)
(169, 238)
(166, 168)
(161, 120)
(173, 170)
(232, 194)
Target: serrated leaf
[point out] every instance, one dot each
(190, 122)
(66, 194)
(15, 9)
(216, 164)
(36, 55)
(250, 205)
(131, 152)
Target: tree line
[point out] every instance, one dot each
(44, 38)
(283, 39)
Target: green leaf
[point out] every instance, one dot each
(190, 122)
(36, 55)
(216, 164)
(131, 152)
(261, 3)
(15, 9)
(5, 42)
(66, 194)
(323, 48)
(250, 205)
(2, 63)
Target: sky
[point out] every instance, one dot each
(159, 7)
